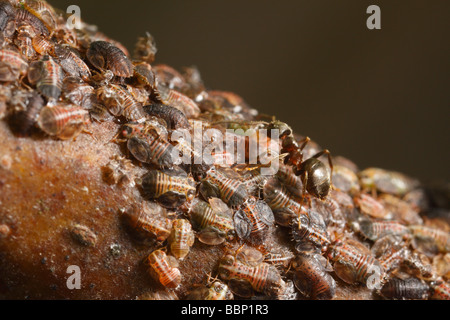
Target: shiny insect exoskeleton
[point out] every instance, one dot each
(407, 289)
(213, 220)
(104, 55)
(253, 220)
(370, 206)
(149, 221)
(310, 235)
(12, 65)
(285, 205)
(79, 92)
(344, 200)
(147, 146)
(217, 184)
(164, 269)
(144, 76)
(418, 265)
(316, 178)
(63, 34)
(181, 102)
(333, 213)
(214, 290)
(345, 179)
(431, 237)
(64, 122)
(43, 11)
(120, 102)
(42, 45)
(255, 181)
(392, 258)
(311, 277)
(279, 257)
(102, 79)
(141, 130)
(170, 188)
(174, 118)
(181, 238)
(288, 178)
(353, 262)
(243, 277)
(100, 113)
(48, 77)
(83, 235)
(381, 246)
(145, 48)
(24, 41)
(25, 18)
(71, 62)
(374, 230)
(76, 73)
(139, 94)
(250, 256)
(386, 181)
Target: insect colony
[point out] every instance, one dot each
(365, 228)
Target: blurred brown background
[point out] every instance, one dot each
(378, 97)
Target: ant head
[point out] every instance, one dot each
(283, 128)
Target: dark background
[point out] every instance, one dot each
(378, 97)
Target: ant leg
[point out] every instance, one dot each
(321, 153)
(116, 140)
(304, 178)
(228, 246)
(215, 278)
(89, 133)
(304, 142)
(210, 279)
(21, 81)
(238, 250)
(289, 267)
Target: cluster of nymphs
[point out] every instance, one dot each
(316, 225)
